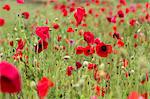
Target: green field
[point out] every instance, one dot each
(120, 73)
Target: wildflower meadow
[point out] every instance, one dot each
(74, 49)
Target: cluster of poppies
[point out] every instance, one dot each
(102, 49)
(7, 7)
(10, 80)
(10, 77)
(91, 46)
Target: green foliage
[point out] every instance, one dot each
(51, 63)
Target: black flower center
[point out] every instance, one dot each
(44, 32)
(116, 35)
(104, 48)
(5, 79)
(88, 50)
(39, 45)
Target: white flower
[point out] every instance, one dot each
(132, 71)
(85, 63)
(66, 57)
(32, 84)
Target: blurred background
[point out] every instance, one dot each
(85, 0)
(42, 1)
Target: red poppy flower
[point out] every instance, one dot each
(123, 2)
(111, 19)
(79, 50)
(103, 50)
(103, 9)
(97, 2)
(97, 15)
(147, 5)
(133, 95)
(98, 90)
(65, 12)
(145, 95)
(79, 14)
(43, 86)
(89, 37)
(121, 21)
(84, 25)
(69, 70)
(62, 7)
(10, 79)
(126, 74)
(2, 22)
(42, 44)
(73, 3)
(120, 43)
(71, 9)
(147, 17)
(115, 27)
(70, 30)
(127, 10)
(120, 14)
(97, 41)
(90, 11)
(20, 1)
(87, 3)
(88, 50)
(21, 45)
(97, 75)
(135, 45)
(59, 38)
(17, 55)
(56, 26)
(26, 15)
(78, 65)
(6, 7)
(125, 62)
(103, 91)
(43, 32)
(132, 22)
(91, 66)
(116, 35)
